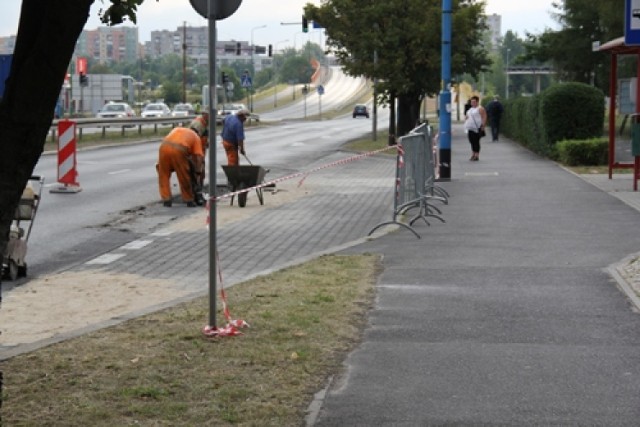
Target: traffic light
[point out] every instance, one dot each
(225, 78)
(238, 48)
(270, 50)
(84, 80)
(305, 24)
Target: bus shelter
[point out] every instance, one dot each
(617, 47)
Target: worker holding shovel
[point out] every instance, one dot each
(233, 136)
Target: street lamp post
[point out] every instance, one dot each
(506, 72)
(253, 66)
(275, 75)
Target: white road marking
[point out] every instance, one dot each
(136, 244)
(105, 259)
(119, 172)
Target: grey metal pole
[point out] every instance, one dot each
(213, 98)
(374, 114)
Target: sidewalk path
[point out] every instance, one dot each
(506, 314)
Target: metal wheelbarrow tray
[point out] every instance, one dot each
(14, 264)
(241, 177)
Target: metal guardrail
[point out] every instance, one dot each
(122, 123)
(127, 123)
(415, 180)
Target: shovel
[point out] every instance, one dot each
(265, 171)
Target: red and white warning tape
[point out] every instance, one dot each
(304, 174)
(233, 325)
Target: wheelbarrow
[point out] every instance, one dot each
(242, 177)
(13, 260)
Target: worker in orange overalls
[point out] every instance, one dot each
(180, 152)
(201, 125)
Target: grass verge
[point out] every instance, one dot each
(160, 370)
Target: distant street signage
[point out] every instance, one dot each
(632, 22)
(221, 9)
(245, 80)
(320, 90)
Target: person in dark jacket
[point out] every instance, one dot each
(494, 111)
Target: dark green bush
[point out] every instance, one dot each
(563, 111)
(572, 111)
(586, 152)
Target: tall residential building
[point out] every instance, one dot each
(109, 44)
(197, 47)
(494, 22)
(164, 42)
(7, 44)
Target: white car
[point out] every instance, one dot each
(116, 110)
(225, 110)
(183, 110)
(156, 109)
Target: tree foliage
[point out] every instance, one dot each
(570, 48)
(405, 37)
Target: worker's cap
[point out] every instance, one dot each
(243, 112)
(198, 127)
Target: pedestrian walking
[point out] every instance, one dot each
(474, 125)
(494, 112)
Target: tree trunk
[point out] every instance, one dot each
(45, 42)
(392, 119)
(408, 112)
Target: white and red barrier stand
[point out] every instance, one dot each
(67, 173)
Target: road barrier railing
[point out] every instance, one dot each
(415, 186)
(122, 123)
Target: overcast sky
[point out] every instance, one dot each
(517, 15)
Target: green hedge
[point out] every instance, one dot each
(562, 112)
(585, 152)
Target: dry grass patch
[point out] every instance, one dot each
(160, 370)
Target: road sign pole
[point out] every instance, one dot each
(213, 216)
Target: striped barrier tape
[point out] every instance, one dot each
(233, 325)
(304, 174)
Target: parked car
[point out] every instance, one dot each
(183, 110)
(360, 110)
(156, 109)
(225, 110)
(116, 110)
(231, 109)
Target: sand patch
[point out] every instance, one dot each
(285, 192)
(59, 303)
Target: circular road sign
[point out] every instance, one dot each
(221, 8)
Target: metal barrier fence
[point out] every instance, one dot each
(415, 186)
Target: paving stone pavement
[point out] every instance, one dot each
(347, 201)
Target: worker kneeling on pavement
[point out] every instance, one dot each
(233, 136)
(181, 152)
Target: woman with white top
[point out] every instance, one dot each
(474, 126)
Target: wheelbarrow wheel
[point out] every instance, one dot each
(11, 272)
(242, 197)
(22, 270)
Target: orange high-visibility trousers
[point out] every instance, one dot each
(232, 153)
(174, 158)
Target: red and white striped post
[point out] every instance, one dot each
(67, 172)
